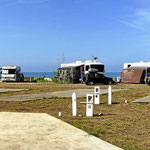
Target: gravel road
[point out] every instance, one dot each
(68, 93)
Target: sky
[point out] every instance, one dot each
(39, 35)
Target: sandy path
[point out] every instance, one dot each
(145, 100)
(11, 90)
(34, 131)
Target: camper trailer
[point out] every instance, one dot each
(136, 72)
(11, 73)
(88, 72)
(137, 64)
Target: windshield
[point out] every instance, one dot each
(100, 68)
(9, 71)
(87, 68)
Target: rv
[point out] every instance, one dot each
(12, 73)
(137, 64)
(88, 72)
(138, 72)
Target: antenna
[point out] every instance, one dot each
(95, 58)
(63, 59)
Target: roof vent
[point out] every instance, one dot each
(141, 61)
(78, 62)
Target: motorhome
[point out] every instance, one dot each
(79, 71)
(12, 73)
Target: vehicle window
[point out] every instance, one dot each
(9, 71)
(12, 71)
(99, 67)
(87, 68)
(82, 68)
(5, 71)
(129, 66)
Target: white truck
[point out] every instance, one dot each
(12, 73)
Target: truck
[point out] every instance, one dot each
(94, 76)
(12, 73)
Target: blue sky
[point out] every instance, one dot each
(38, 34)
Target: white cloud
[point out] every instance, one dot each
(139, 20)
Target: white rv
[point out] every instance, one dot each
(138, 72)
(87, 66)
(12, 73)
(76, 71)
(136, 64)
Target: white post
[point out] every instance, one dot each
(97, 95)
(59, 114)
(74, 104)
(109, 95)
(89, 105)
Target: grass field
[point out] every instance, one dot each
(124, 125)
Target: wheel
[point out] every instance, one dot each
(86, 83)
(148, 82)
(109, 82)
(91, 83)
(22, 78)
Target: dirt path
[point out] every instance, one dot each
(34, 131)
(79, 93)
(11, 90)
(145, 100)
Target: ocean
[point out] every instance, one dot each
(51, 74)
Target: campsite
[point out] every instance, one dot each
(121, 124)
(74, 75)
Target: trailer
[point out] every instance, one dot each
(11, 73)
(137, 72)
(136, 64)
(135, 75)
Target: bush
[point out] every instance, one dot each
(63, 81)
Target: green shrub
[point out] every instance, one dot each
(63, 81)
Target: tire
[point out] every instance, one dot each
(148, 82)
(91, 83)
(109, 82)
(22, 78)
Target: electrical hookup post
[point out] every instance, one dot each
(89, 105)
(97, 95)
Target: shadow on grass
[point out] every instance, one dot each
(101, 114)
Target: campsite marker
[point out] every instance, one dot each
(109, 95)
(59, 114)
(74, 104)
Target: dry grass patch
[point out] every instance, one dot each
(124, 125)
